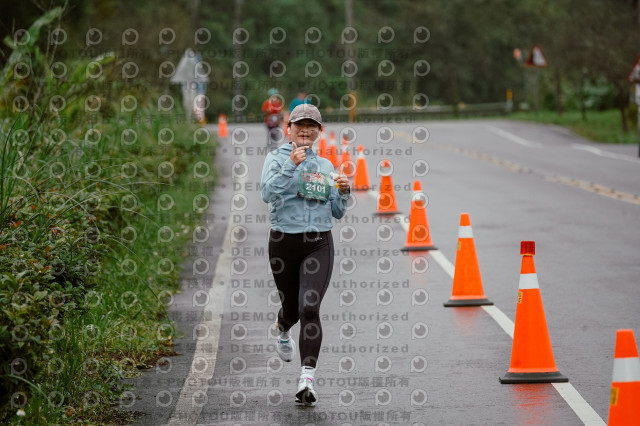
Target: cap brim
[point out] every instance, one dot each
(295, 120)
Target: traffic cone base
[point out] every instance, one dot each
(550, 377)
(418, 248)
(457, 301)
(386, 213)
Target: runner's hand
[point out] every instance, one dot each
(343, 183)
(298, 155)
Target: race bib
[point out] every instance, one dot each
(314, 186)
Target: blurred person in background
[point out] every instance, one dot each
(301, 98)
(272, 108)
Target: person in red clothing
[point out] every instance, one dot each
(273, 105)
(272, 109)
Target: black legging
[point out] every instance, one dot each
(301, 266)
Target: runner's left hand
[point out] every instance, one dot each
(343, 183)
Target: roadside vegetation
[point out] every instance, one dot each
(598, 126)
(96, 205)
(596, 110)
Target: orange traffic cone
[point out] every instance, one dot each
(531, 354)
(322, 145)
(467, 284)
(624, 408)
(418, 237)
(346, 165)
(332, 150)
(222, 126)
(285, 120)
(361, 180)
(386, 196)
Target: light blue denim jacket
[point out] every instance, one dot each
(290, 213)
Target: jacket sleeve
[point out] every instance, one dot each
(276, 176)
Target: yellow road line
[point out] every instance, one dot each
(512, 167)
(517, 168)
(595, 188)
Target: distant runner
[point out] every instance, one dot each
(272, 108)
(300, 99)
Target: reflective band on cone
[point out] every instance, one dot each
(626, 370)
(528, 282)
(465, 231)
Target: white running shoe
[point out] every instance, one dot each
(285, 345)
(306, 395)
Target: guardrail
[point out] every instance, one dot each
(400, 113)
(432, 111)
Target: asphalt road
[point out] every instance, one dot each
(392, 354)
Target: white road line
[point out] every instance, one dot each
(187, 410)
(444, 263)
(193, 396)
(582, 147)
(605, 154)
(577, 403)
(583, 410)
(501, 318)
(512, 137)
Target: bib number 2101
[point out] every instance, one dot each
(314, 186)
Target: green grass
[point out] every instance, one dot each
(104, 316)
(600, 126)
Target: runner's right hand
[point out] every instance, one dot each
(298, 155)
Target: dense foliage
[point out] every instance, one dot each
(96, 203)
(469, 46)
